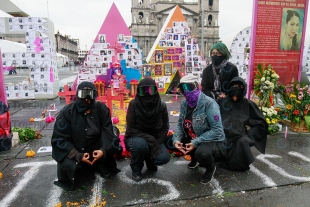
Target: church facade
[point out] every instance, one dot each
(148, 17)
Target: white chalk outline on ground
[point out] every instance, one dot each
(173, 192)
(263, 158)
(53, 196)
(97, 192)
(28, 175)
(297, 154)
(266, 180)
(217, 189)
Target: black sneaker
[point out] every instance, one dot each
(137, 176)
(207, 176)
(193, 164)
(104, 173)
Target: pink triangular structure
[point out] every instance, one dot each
(113, 25)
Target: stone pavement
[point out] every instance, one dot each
(278, 178)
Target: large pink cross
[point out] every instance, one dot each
(67, 93)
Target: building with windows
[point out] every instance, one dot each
(67, 46)
(148, 18)
(82, 55)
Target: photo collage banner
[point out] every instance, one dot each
(102, 54)
(176, 51)
(39, 58)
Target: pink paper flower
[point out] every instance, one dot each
(37, 41)
(49, 119)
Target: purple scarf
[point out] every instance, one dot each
(192, 97)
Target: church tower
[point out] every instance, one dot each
(143, 27)
(210, 14)
(148, 17)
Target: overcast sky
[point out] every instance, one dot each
(82, 19)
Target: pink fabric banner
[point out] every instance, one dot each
(3, 97)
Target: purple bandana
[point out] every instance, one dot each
(192, 97)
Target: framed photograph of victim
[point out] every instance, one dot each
(168, 69)
(158, 70)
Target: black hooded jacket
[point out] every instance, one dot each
(227, 74)
(147, 117)
(243, 117)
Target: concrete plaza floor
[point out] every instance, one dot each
(278, 178)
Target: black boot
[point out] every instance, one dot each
(137, 176)
(150, 165)
(103, 171)
(208, 175)
(193, 164)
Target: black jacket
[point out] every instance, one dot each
(154, 137)
(244, 126)
(243, 118)
(70, 130)
(207, 83)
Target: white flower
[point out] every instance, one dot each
(262, 79)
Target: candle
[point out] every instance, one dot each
(285, 134)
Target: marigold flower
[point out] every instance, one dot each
(289, 106)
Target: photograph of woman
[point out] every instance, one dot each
(101, 38)
(291, 32)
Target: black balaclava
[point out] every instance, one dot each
(82, 104)
(237, 91)
(149, 102)
(217, 60)
(149, 106)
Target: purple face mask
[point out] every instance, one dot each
(192, 97)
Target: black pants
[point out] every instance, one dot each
(207, 153)
(67, 168)
(139, 151)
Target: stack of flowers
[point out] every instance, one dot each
(264, 84)
(297, 103)
(272, 117)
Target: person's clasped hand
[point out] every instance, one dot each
(85, 158)
(189, 147)
(179, 146)
(222, 95)
(97, 154)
